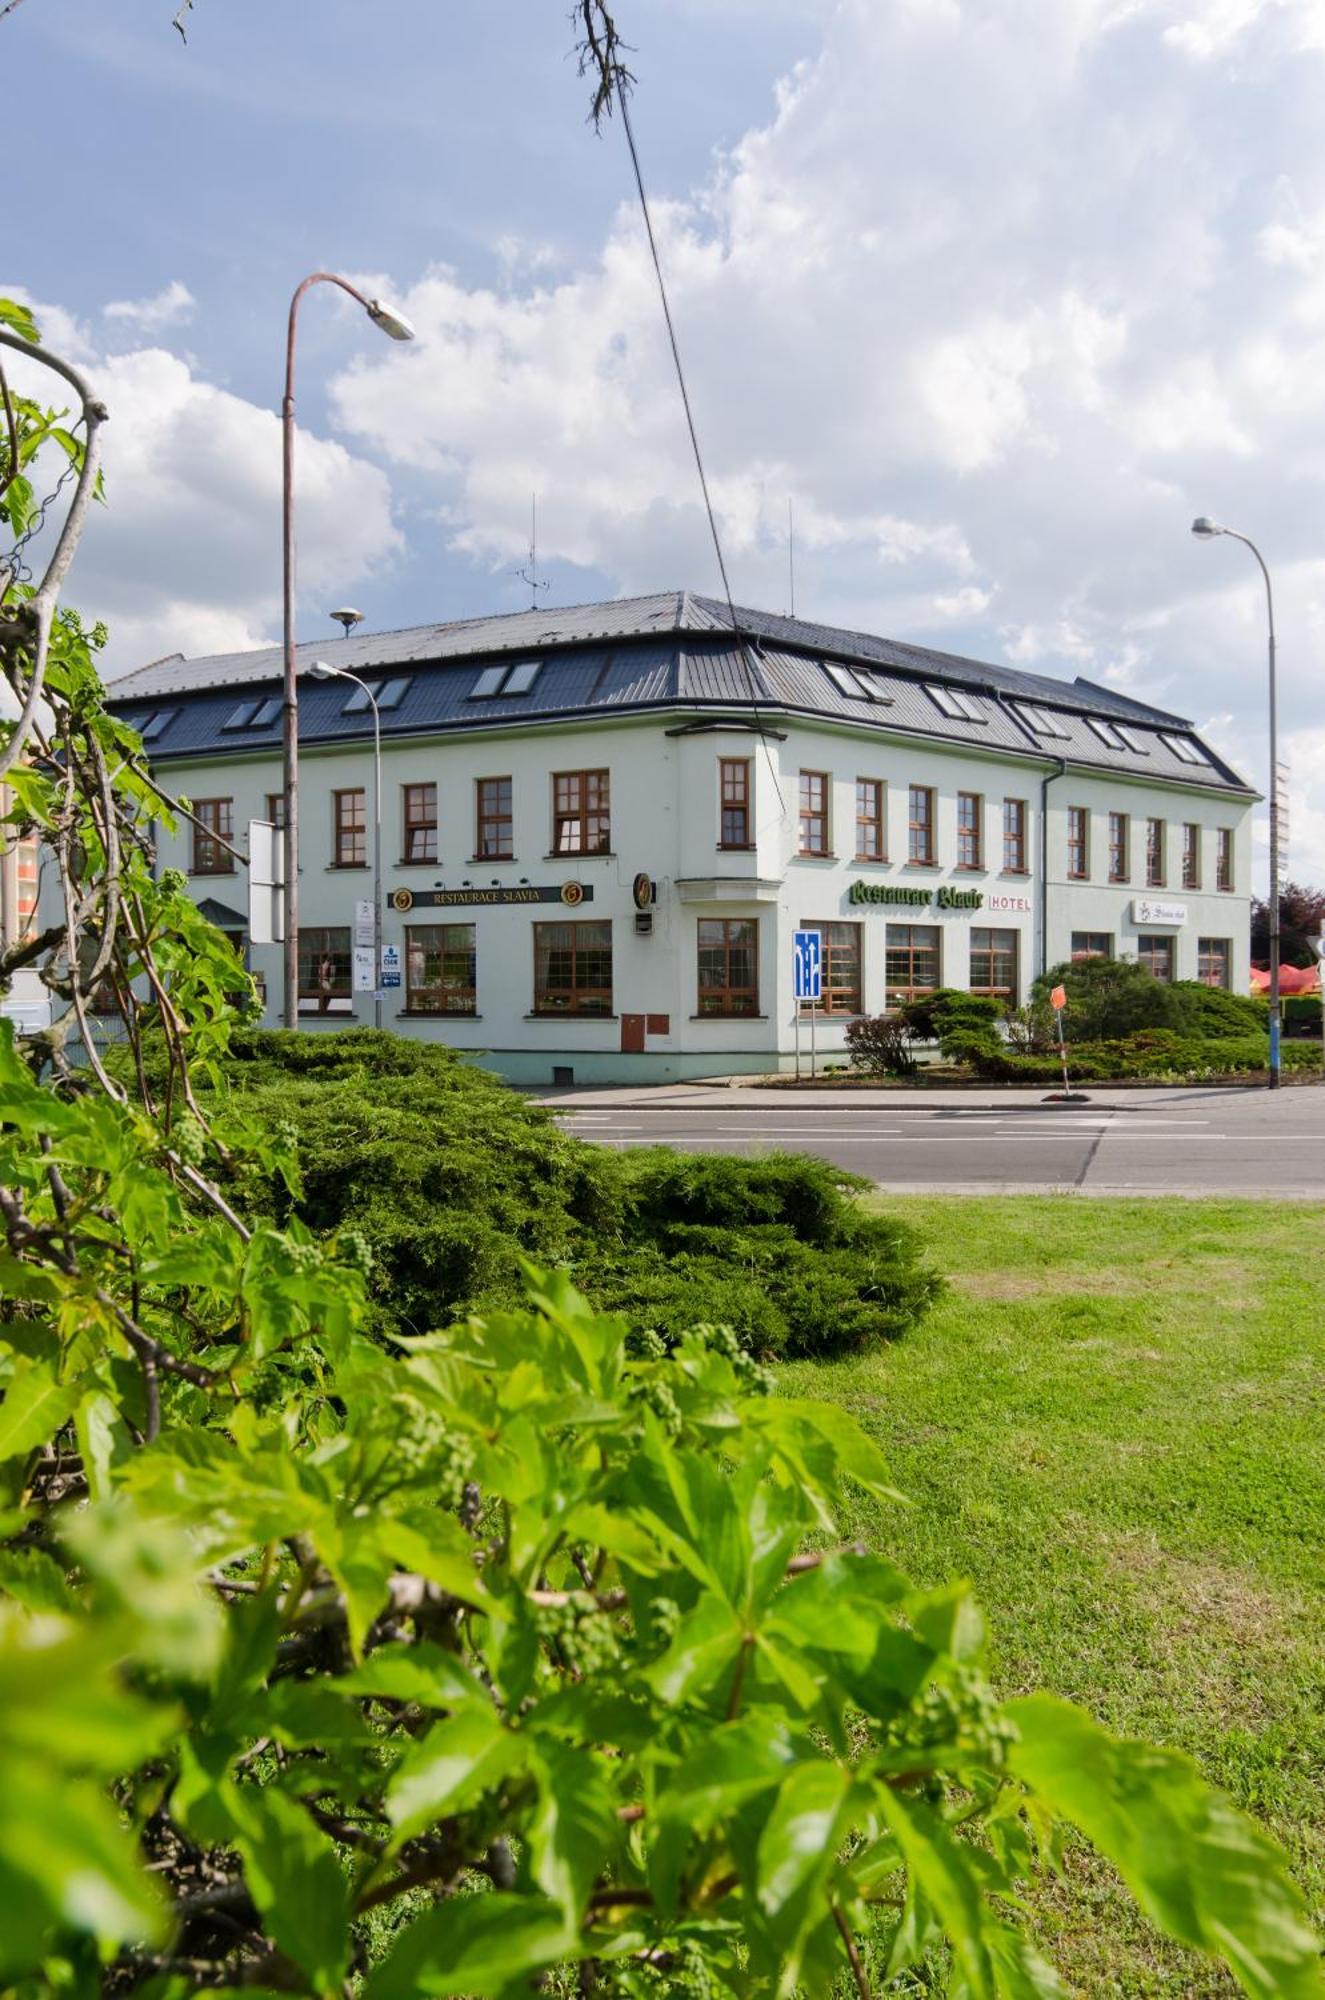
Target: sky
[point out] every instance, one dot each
(998, 294)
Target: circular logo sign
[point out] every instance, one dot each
(642, 891)
(402, 899)
(572, 894)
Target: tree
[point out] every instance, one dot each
(1301, 918)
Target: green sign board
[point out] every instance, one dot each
(895, 896)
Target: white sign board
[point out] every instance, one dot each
(390, 965)
(266, 876)
(1145, 910)
(363, 969)
(807, 965)
(365, 930)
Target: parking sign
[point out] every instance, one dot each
(807, 964)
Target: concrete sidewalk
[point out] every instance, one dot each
(744, 1096)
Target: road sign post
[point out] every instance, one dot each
(807, 984)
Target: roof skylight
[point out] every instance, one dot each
(855, 685)
(155, 722)
(515, 678)
(1042, 720)
(1183, 749)
(954, 703)
(389, 694)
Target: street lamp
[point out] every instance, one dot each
(396, 327)
(1206, 530)
(322, 670)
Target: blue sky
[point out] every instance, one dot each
(1002, 291)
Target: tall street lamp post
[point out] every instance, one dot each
(323, 670)
(397, 328)
(1206, 529)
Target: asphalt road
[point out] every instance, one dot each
(1175, 1142)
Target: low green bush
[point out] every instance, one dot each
(1152, 1054)
(1111, 997)
(1209, 1010)
(1301, 1014)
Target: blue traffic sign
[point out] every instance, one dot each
(807, 963)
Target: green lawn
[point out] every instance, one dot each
(1115, 1426)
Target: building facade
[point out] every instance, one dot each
(601, 826)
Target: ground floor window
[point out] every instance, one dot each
(728, 965)
(1091, 944)
(912, 961)
(994, 963)
(1156, 954)
(839, 957)
(573, 968)
(324, 971)
(1212, 961)
(440, 969)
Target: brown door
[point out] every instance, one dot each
(632, 1034)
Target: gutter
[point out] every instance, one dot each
(1045, 783)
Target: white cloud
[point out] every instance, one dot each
(174, 306)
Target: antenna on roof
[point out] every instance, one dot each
(346, 618)
(791, 555)
(530, 575)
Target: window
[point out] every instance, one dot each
(734, 802)
(1154, 854)
(1115, 736)
(389, 694)
(969, 815)
(953, 703)
(1212, 961)
(911, 961)
(573, 968)
(1014, 836)
(276, 808)
(1156, 954)
(214, 822)
(994, 963)
(1119, 841)
(1078, 843)
(814, 812)
(858, 686)
(1224, 858)
(1091, 944)
(728, 965)
(839, 959)
(1042, 720)
(155, 722)
(324, 971)
(1191, 856)
(496, 837)
(580, 816)
(254, 714)
(870, 842)
(349, 829)
(1183, 749)
(920, 825)
(509, 678)
(420, 823)
(440, 969)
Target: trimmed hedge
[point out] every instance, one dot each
(1152, 1054)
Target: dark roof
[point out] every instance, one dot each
(670, 651)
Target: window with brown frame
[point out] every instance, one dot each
(581, 817)
(994, 963)
(420, 822)
(1091, 944)
(911, 961)
(1213, 956)
(871, 844)
(495, 839)
(1119, 842)
(349, 828)
(814, 812)
(920, 825)
(1191, 855)
(215, 822)
(1224, 858)
(728, 965)
(573, 968)
(1014, 836)
(970, 845)
(839, 964)
(324, 971)
(734, 802)
(1156, 954)
(276, 808)
(1155, 831)
(441, 963)
(1078, 843)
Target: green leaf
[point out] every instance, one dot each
(296, 1881)
(474, 1945)
(35, 1407)
(65, 1859)
(703, 1648)
(454, 1764)
(20, 320)
(34, 1579)
(1197, 1867)
(573, 1826)
(796, 1847)
(103, 1440)
(422, 1672)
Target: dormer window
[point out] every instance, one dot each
(954, 703)
(155, 722)
(1043, 721)
(254, 714)
(509, 678)
(389, 694)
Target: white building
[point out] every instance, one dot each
(939, 821)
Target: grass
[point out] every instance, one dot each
(1113, 1426)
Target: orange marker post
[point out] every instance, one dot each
(1058, 1001)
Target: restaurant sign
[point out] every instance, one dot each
(1147, 910)
(895, 896)
(569, 894)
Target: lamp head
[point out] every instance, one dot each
(322, 670)
(392, 323)
(346, 618)
(1205, 528)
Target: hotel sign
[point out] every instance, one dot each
(895, 897)
(569, 894)
(1145, 910)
